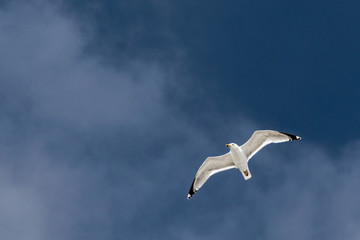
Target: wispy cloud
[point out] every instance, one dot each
(43, 62)
(59, 110)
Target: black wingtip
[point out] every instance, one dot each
(293, 137)
(191, 191)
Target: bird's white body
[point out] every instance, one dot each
(238, 157)
(240, 160)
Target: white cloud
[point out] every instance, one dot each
(43, 61)
(49, 89)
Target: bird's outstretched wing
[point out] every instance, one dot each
(261, 138)
(210, 166)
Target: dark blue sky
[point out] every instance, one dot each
(298, 56)
(107, 109)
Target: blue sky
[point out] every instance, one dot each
(108, 108)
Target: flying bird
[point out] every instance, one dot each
(238, 157)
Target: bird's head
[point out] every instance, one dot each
(231, 145)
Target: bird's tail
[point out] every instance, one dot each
(246, 174)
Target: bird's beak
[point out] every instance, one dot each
(227, 145)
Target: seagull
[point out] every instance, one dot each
(238, 157)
